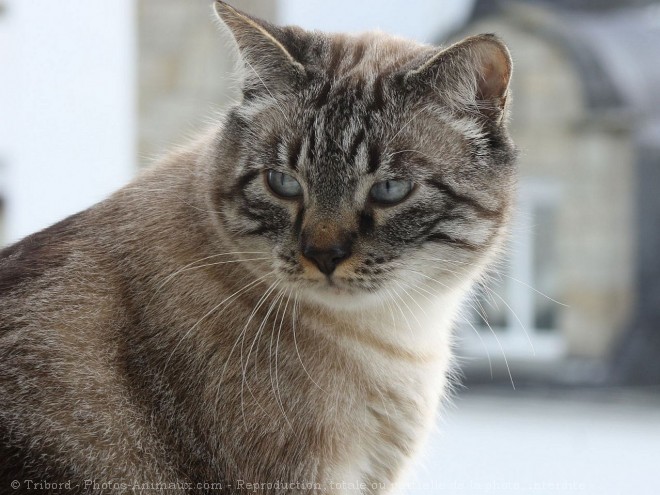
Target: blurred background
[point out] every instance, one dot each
(560, 356)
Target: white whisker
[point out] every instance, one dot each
(255, 340)
(260, 303)
(270, 357)
(277, 343)
(294, 316)
(224, 301)
(190, 267)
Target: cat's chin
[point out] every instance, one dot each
(340, 297)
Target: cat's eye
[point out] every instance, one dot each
(283, 184)
(389, 192)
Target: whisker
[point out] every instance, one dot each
(481, 339)
(234, 295)
(390, 155)
(483, 317)
(404, 126)
(386, 301)
(260, 303)
(240, 336)
(277, 343)
(286, 118)
(500, 274)
(270, 357)
(406, 305)
(499, 343)
(255, 340)
(491, 291)
(396, 304)
(495, 294)
(535, 290)
(188, 267)
(294, 316)
(412, 298)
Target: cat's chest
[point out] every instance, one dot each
(383, 429)
(384, 418)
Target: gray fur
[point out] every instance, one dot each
(174, 333)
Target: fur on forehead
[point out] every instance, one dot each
(471, 76)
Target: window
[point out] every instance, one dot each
(517, 312)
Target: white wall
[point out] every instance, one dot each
(423, 20)
(68, 107)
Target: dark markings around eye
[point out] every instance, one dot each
(428, 231)
(268, 220)
(431, 235)
(311, 143)
(297, 224)
(238, 188)
(258, 231)
(444, 238)
(459, 198)
(294, 153)
(255, 210)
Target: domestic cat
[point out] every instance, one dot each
(270, 307)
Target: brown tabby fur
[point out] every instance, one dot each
(124, 357)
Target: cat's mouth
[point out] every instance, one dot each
(346, 280)
(336, 285)
(331, 284)
(339, 293)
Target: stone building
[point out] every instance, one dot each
(582, 90)
(184, 69)
(578, 286)
(584, 96)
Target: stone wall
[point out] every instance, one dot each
(184, 69)
(592, 164)
(185, 77)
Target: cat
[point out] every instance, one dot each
(270, 307)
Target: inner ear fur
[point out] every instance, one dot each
(269, 63)
(472, 75)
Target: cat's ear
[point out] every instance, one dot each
(472, 75)
(265, 50)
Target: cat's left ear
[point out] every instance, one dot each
(472, 75)
(267, 51)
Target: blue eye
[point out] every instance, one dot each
(283, 184)
(389, 192)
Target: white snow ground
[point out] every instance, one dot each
(587, 442)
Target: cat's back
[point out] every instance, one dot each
(46, 274)
(84, 257)
(36, 276)
(30, 263)
(64, 305)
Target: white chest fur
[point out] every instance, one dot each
(404, 356)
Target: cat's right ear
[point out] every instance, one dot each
(472, 75)
(266, 51)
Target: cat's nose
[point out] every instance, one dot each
(327, 257)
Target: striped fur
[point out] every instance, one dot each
(174, 333)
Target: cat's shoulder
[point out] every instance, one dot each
(33, 257)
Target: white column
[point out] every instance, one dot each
(69, 111)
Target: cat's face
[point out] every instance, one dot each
(360, 164)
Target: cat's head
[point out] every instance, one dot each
(363, 164)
